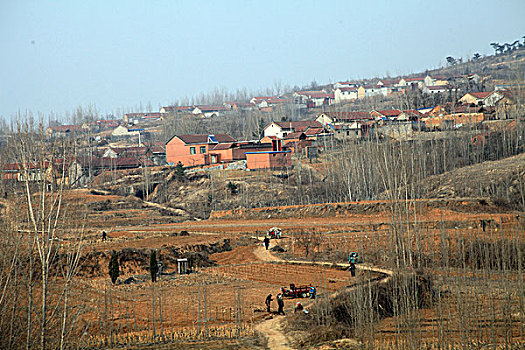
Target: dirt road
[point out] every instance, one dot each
(272, 327)
(272, 330)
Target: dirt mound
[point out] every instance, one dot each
(503, 181)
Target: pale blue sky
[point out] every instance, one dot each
(57, 55)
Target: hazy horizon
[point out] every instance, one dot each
(58, 56)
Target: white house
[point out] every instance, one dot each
(345, 84)
(282, 129)
(375, 90)
(436, 80)
(345, 94)
(493, 98)
(120, 131)
(210, 111)
(434, 89)
(411, 82)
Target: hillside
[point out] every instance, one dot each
(502, 180)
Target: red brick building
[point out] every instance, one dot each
(202, 149)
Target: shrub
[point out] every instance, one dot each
(114, 268)
(153, 266)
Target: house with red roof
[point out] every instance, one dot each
(347, 124)
(415, 82)
(346, 84)
(64, 130)
(335, 118)
(282, 129)
(314, 98)
(210, 111)
(474, 98)
(195, 150)
(386, 114)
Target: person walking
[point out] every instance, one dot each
(104, 236)
(267, 302)
(352, 269)
(266, 242)
(280, 304)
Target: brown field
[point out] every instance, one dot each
(229, 297)
(226, 300)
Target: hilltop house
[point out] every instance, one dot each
(386, 114)
(282, 129)
(176, 109)
(123, 132)
(342, 94)
(274, 158)
(417, 82)
(194, 150)
(474, 98)
(438, 89)
(335, 118)
(64, 130)
(130, 117)
(345, 84)
(313, 98)
(436, 80)
(210, 111)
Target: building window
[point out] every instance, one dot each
(192, 150)
(203, 149)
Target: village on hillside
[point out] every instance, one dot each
(286, 127)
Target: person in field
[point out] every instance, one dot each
(298, 307)
(268, 301)
(352, 269)
(266, 242)
(280, 304)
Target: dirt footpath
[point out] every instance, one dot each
(272, 330)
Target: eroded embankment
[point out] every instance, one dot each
(134, 260)
(471, 205)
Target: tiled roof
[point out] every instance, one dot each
(314, 131)
(298, 124)
(390, 112)
(203, 138)
(293, 135)
(221, 146)
(480, 95)
(412, 112)
(347, 88)
(349, 115)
